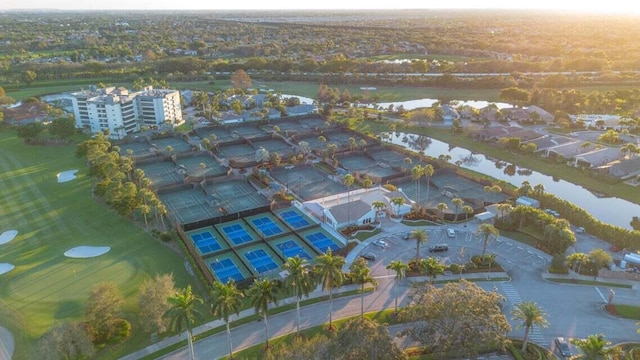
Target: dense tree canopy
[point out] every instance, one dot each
(459, 319)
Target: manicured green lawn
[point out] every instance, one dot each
(587, 282)
(51, 217)
(628, 311)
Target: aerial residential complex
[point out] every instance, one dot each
(121, 112)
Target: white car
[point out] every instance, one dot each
(381, 244)
(451, 233)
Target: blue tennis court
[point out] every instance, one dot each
(206, 242)
(225, 269)
(321, 241)
(294, 219)
(237, 234)
(266, 226)
(260, 260)
(292, 249)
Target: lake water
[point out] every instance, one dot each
(610, 210)
(424, 103)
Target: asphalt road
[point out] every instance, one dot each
(573, 310)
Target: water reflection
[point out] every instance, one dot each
(599, 207)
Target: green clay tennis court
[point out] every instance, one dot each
(193, 167)
(238, 152)
(138, 148)
(234, 196)
(189, 205)
(221, 133)
(178, 145)
(307, 182)
(161, 173)
(247, 130)
(273, 145)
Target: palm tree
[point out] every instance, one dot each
(397, 202)
(442, 207)
(361, 274)
(378, 205)
(322, 140)
(421, 237)
(183, 312)
(226, 300)
(458, 203)
(467, 210)
(348, 180)
(432, 267)
(594, 347)
(299, 279)
(416, 174)
(576, 260)
(504, 207)
(525, 188)
(329, 269)
(399, 267)
(206, 144)
(487, 230)
(263, 293)
(427, 171)
(203, 167)
(539, 190)
(529, 314)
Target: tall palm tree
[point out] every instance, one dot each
(529, 314)
(348, 180)
(467, 210)
(487, 230)
(397, 202)
(399, 267)
(458, 203)
(538, 190)
(594, 347)
(421, 237)
(442, 207)
(427, 171)
(329, 269)
(262, 293)
(361, 274)
(431, 267)
(226, 300)
(300, 280)
(183, 313)
(377, 206)
(416, 174)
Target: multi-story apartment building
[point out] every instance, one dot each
(121, 112)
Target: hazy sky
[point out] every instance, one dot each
(610, 6)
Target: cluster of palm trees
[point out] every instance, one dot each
(301, 278)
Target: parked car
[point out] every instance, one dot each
(451, 233)
(406, 236)
(563, 346)
(580, 230)
(368, 256)
(381, 244)
(439, 248)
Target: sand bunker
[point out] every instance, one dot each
(8, 236)
(7, 344)
(5, 268)
(66, 176)
(82, 252)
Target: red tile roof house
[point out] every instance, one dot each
(26, 114)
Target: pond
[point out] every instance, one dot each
(607, 209)
(424, 103)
